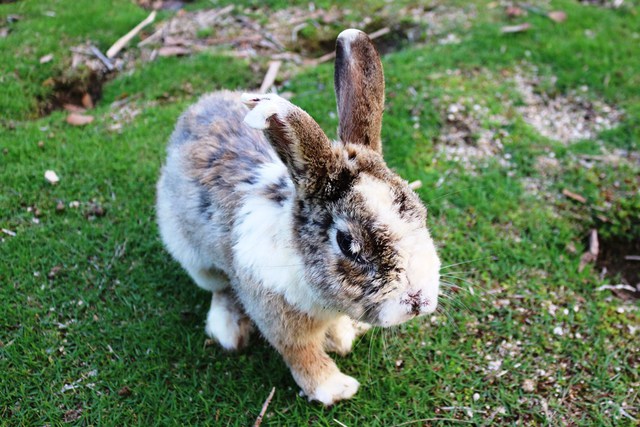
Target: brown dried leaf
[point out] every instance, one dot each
(574, 196)
(87, 101)
(557, 16)
(76, 119)
(124, 391)
(516, 28)
(514, 11)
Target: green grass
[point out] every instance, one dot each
(120, 313)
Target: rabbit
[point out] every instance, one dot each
(308, 239)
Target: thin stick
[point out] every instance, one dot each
(122, 41)
(616, 287)
(264, 408)
(107, 63)
(270, 77)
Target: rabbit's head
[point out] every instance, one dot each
(359, 227)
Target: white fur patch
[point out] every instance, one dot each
(263, 107)
(265, 249)
(224, 324)
(416, 250)
(348, 37)
(342, 335)
(337, 387)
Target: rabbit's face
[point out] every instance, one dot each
(366, 246)
(360, 229)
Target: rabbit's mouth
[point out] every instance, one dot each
(411, 304)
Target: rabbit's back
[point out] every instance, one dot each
(214, 162)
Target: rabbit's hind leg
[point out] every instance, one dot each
(226, 321)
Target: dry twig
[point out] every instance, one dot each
(270, 77)
(616, 288)
(107, 63)
(574, 196)
(122, 41)
(594, 249)
(264, 408)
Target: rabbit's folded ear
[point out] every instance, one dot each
(297, 138)
(359, 85)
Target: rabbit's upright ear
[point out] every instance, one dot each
(297, 138)
(359, 85)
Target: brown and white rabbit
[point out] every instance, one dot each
(302, 236)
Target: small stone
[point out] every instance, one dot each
(558, 331)
(51, 177)
(476, 397)
(124, 391)
(528, 386)
(54, 271)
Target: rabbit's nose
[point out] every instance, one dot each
(415, 302)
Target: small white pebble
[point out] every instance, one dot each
(476, 397)
(558, 331)
(528, 385)
(51, 177)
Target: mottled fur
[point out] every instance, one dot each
(303, 236)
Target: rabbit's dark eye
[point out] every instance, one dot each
(345, 243)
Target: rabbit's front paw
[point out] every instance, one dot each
(342, 333)
(337, 387)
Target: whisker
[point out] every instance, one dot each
(450, 193)
(466, 262)
(457, 301)
(467, 281)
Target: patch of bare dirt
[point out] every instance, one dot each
(564, 117)
(301, 34)
(79, 88)
(619, 259)
(80, 85)
(298, 36)
(610, 4)
(470, 132)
